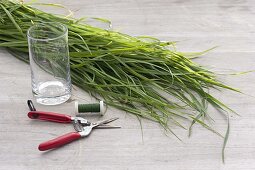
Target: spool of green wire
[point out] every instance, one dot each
(92, 107)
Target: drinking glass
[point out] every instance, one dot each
(49, 63)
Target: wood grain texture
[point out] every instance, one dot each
(197, 25)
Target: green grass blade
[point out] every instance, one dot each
(225, 140)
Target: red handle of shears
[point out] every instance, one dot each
(59, 141)
(50, 116)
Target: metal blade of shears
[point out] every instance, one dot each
(103, 122)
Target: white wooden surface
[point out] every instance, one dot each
(197, 25)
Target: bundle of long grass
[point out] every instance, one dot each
(130, 73)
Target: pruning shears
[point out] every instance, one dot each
(82, 126)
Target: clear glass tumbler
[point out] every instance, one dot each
(49, 62)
